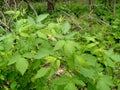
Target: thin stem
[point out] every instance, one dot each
(4, 18)
(3, 25)
(31, 6)
(15, 5)
(114, 7)
(8, 6)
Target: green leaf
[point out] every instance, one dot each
(91, 86)
(108, 80)
(88, 72)
(14, 59)
(2, 38)
(25, 28)
(71, 35)
(28, 55)
(88, 38)
(17, 13)
(110, 63)
(110, 52)
(50, 59)
(24, 34)
(62, 80)
(6, 88)
(78, 82)
(101, 85)
(42, 72)
(43, 52)
(119, 87)
(51, 73)
(66, 27)
(69, 48)
(41, 17)
(41, 35)
(2, 77)
(104, 83)
(8, 43)
(31, 20)
(91, 45)
(39, 26)
(57, 64)
(2, 30)
(22, 65)
(80, 61)
(90, 59)
(10, 12)
(70, 86)
(13, 85)
(19, 24)
(115, 57)
(59, 45)
(52, 25)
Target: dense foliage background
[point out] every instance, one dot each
(59, 45)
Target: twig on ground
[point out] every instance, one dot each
(100, 21)
(3, 16)
(15, 5)
(7, 5)
(73, 21)
(31, 6)
(2, 24)
(20, 3)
